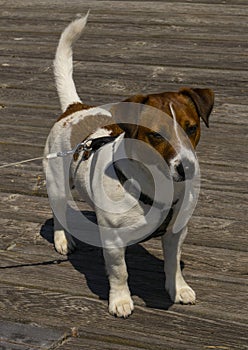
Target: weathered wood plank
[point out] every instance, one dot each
(23, 134)
(104, 343)
(12, 153)
(90, 316)
(165, 45)
(208, 231)
(136, 52)
(146, 276)
(35, 209)
(111, 82)
(223, 113)
(218, 269)
(29, 178)
(30, 182)
(15, 335)
(92, 68)
(233, 136)
(229, 206)
(217, 232)
(133, 19)
(174, 7)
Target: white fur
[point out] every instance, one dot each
(63, 65)
(120, 301)
(178, 289)
(182, 152)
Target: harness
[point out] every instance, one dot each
(92, 145)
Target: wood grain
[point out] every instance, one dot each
(58, 302)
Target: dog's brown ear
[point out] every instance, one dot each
(129, 129)
(130, 114)
(126, 116)
(203, 100)
(137, 99)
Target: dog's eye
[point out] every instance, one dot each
(191, 129)
(156, 136)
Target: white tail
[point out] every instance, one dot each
(63, 64)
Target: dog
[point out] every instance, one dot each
(95, 127)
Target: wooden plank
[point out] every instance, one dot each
(215, 137)
(223, 113)
(164, 18)
(29, 178)
(35, 209)
(225, 200)
(203, 231)
(164, 45)
(210, 271)
(29, 117)
(176, 7)
(106, 84)
(19, 336)
(12, 153)
(217, 232)
(105, 343)
(90, 316)
(30, 182)
(142, 52)
(83, 274)
(15, 206)
(220, 2)
(92, 68)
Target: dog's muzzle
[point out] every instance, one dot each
(184, 170)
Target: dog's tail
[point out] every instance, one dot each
(63, 64)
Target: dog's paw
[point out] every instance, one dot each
(183, 294)
(121, 304)
(63, 242)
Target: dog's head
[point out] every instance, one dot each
(186, 108)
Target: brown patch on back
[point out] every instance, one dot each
(75, 107)
(84, 128)
(115, 129)
(87, 126)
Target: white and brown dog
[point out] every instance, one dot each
(82, 122)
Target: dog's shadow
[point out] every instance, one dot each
(146, 275)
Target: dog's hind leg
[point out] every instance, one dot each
(63, 241)
(120, 301)
(178, 289)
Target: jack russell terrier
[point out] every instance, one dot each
(96, 128)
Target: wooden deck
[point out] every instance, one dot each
(50, 302)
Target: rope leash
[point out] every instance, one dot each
(87, 145)
(21, 162)
(82, 146)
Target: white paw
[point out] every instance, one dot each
(182, 294)
(64, 243)
(120, 304)
(185, 295)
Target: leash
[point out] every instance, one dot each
(85, 146)
(21, 162)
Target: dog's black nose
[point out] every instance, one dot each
(185, 170)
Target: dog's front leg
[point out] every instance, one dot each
(178, 289)
(120, 301)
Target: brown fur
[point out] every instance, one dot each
(190, 105)
(74, 107)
